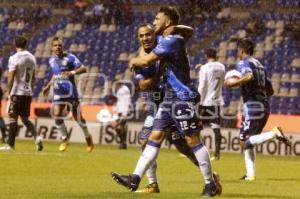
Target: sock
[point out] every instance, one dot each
(84, 130)
(148, 156)
(151, 173)
(63, 130)
(260, 138)
(2, 128)
(13, 129)
(203, 158)
(218, 138)
(29, 125)
(250, 162)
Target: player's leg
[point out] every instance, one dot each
(13, 112)
(58, 109)
(183, 148)
(190, 126)
(143, 136)
(147, 158)
(2, 128)
(76, 112)
(121, 130)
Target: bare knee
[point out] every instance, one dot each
(157, 137)
(193, 139)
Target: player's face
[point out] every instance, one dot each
(160, 23)
(57, 47)
(146, 37)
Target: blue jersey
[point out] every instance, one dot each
(174, 59)
(255, 90)
(155, 93)
(64, 87)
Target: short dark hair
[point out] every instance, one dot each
(20, 41)
(211, 53)
(171, 12)
(56, 39)
(148, 25)
(247, 45)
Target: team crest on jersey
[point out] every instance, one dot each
(64, 62)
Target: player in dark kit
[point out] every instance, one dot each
(178, 106)
(147, 80)
(255, 90)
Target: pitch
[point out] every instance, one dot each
(76, 174)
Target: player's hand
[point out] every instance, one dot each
(45, 91)
(198, 66)
(132, 64)
(66, 74)
(170, 30)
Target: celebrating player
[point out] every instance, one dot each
(255, 90)
(148, 81)
(177, 107)
(65, 96)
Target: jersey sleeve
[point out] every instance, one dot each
(75, 62)
(165, 46)
(243, 67)
(12, 64)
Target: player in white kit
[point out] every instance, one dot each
(211, 78)
(21, 69)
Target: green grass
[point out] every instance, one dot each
(75, 174)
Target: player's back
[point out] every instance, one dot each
(23, 63)
(255, 90)
(172, 49)
(213, 74)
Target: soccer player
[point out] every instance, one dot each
(2, 123)
(123, 109)
(177, 107)
(255, 90)
(149, 86)
(65, 96)
(211, 78)
(21, 69)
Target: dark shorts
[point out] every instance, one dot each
(172, 136)
(254, 120)
(19, 105)
(210, 115)
(181, 114)
(73, 102)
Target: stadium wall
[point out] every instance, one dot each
(105, 134)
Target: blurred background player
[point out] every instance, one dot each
(65, 96)
(2, 123)
(122, 109)
(177, 107)
(211, 78)
(256, 89)
(21, 70)
(148, 82)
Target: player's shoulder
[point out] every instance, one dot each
(243, 63)
(170, 39)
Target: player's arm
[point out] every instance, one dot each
(10, 80)
(185, 31)
(33, 79)
(143, 60)
(144, 84)
(243, 80)
(12, 65)
(202, 84)
(46, 89)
